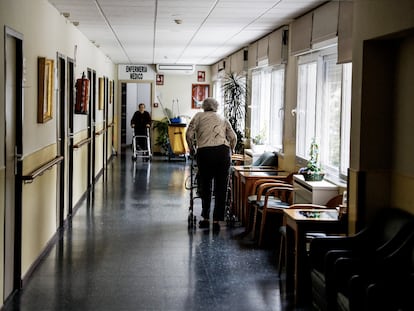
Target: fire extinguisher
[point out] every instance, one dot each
(82, 95)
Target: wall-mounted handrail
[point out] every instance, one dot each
(100, 132)
(40, 170)
(81, 143)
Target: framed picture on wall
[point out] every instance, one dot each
(101, 94)
(201, 76)
(111, 91)
(160, 79)
(199, 92)
(44, 89)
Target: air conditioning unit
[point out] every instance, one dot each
(175, 69)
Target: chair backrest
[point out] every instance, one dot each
(289, 178)
(388, 228)
(335, 201)
(332, 203)
(259, 183)
(283, 191)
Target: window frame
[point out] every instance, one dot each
(268, 105)
(316, 126)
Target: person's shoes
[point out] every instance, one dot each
(216, 226)
(205, 223)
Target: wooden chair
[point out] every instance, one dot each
(259, 190)
(237, 159)
(284, 192)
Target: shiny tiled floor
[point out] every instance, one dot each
(130, 249)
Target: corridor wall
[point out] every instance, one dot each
(45, 33)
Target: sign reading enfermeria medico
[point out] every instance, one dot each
(135, 72)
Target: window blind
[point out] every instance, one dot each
(277, 48)
(237, 61)
(227, 65)
(252, 56)
(214, 71)
(301, 32)
(262, 49)
(325, 22)
(345, 32)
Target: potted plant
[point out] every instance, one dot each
(259, 142)
(235, 93)
(162, 130)
(259, 139)
(312, 171)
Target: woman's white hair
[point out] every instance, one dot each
(210, 104)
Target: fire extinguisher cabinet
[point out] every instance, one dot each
(82, 95)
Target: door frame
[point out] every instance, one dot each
(91, 74)
(16, 241)
(61, 136)
(71, 100)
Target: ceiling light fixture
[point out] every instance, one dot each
(75, 23)
(66, 14)
(178, 21)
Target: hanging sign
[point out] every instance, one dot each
(135, 72)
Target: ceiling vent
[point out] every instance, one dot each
(174, 69)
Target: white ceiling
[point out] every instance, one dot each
(145, 31)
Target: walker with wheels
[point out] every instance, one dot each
(191, 184)
(138, 151)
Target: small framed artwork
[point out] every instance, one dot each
(44, 89)
(101, 94)
(160, 79)
(201, 76)
(111, 91)
(199, 92)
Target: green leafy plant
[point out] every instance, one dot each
(235, 93)
(313, 171)
(260, 138)
(162, 130)
(313, 163)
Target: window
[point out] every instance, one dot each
(268, 107)
(324, 109)
(218, 95)
(277, 108)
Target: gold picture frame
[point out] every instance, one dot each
(111, 91)
(45, 89)
(101, 94)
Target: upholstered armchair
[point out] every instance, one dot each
(382, 283)
(381, 237)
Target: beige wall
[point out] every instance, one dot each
(179, 87)
(80, 169)
(288, 159)
(403, 164)
(380, 144)
(45, 33)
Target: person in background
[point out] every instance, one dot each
(140, 122)
(211, 137)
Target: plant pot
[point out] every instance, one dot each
(313, 177)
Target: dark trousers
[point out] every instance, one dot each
(213, 165)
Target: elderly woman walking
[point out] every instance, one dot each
(211, 137)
